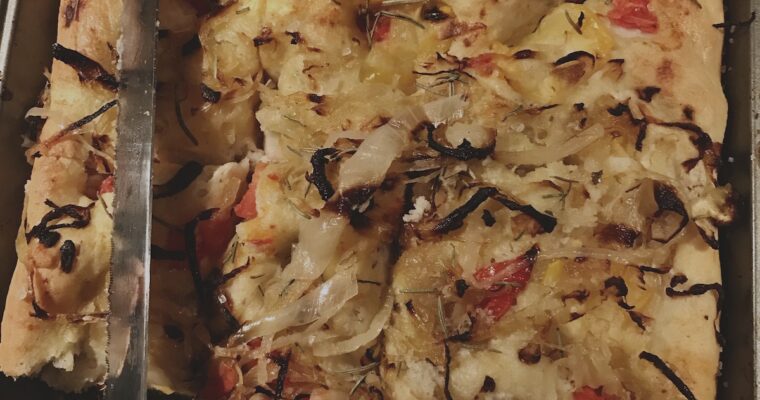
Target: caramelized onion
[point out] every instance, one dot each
(329, 349)
(555, 152)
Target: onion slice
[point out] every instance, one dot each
(444, 110)
(349, 345)
(370, 163)
(326, 298)
(318, 240)
(547, 154)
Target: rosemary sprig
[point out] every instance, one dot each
(418, 291)
(442, 317)
(360, 370)
(358, 383)
(293, 119)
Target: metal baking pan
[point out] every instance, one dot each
(29, 28)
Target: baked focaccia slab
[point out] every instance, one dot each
(54, 320)
(510, 199)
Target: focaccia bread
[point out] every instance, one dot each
(54, 320)
(415, 200)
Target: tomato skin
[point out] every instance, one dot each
(382, 29)
(483, 64)
(588, 393)
(246, 208)
(221, 379)
(214, 234)
(516, 272)
(633, 14)
(107, 185)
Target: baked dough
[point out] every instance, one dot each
(399, 199)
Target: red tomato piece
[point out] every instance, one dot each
(221, 379)
(213, 235)
(107, 185)
(498, 305)
(483, 64)
(246, 209)
(633, 14)
(516, 271)
(382, 29)
(588, 393)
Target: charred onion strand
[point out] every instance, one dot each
(447, 370)
(179, 182)
(192, 255)
(318, 177)
(667, 200)
(210, 95)
(46, 234)
(465, 151)
(87, 68)
(283, 362)
(665, 369)
(455, 219)
(86, 120)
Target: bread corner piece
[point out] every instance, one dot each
(54, 322)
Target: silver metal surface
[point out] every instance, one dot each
(130, 260)
(8, 10)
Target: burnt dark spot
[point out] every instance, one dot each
(647, 93)
(71, 13)
(641, 136)
(349, 202)
(68, 255)
(465, 151)
(639, 319)
(576, 55)
(282, 361)
(678, 280)
(619, 110)
(579, 107)
(618, 284)
(619, 234)
(318, 176)
(295, 37)
(488, 218)
(524, 54)
(210, 95)
(668, 201)
(315, 98)
(181, 180)
(489, 385)
(87, 69)
(688, 113)
(530, 354)
(410, 307)
(432, 12)
(264, 37)
(575, 315)
(39, 312)
(579, 295)
(596, 177)
(461, 287)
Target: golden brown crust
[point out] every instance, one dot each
(56, 328)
